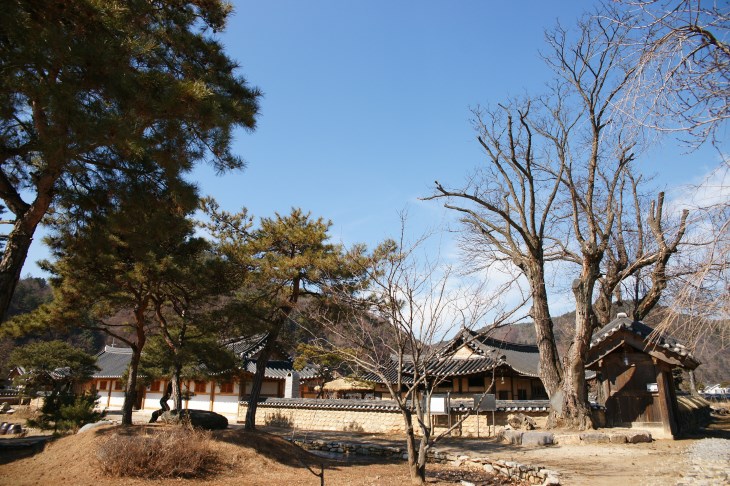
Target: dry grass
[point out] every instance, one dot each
(169, 452)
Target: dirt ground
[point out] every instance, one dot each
(264, 459)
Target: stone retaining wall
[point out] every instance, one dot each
(507, 469)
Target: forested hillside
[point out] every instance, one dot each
(31, 293)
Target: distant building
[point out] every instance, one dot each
(208, 394)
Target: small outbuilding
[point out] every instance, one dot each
(634, 380)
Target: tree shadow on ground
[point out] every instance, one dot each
(718, 428)
(12, 449)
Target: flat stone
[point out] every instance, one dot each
(617, 438)
(537, 438)
(638, 436)
(566, 439)
(594, 438)
(512, 436)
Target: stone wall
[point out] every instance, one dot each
(370, 416)
(371, 421)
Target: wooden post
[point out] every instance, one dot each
(109, 395)
(212, 394)
(663, 395)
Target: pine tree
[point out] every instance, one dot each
(94, 93)
(284, 262)
(111, 265)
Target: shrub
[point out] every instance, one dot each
(66, 411)
(172, 452)
(353, 427)
(278, 419)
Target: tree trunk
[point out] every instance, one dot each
(418, 471)
(130, 394)
(693, 383)
(176, 391)
(576, 411)
(258, 378)
(550, 372)
(16, 250)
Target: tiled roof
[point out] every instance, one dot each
(390, 405)
(330, 404)
(278, 370)
(112, 362)
(523, 358)
(246, 347)
(666, 342)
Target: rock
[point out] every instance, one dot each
(521, 421)
(566, 439)
(512, 436)
(537, 438)
(594, 438)
(94, 425)
(638, 436)
(551, 479)
(201, 419)
(4, 407)
(617, 438)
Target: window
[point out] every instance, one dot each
(118, 385)
(503, 394)
(445, 384)
(521, 394)
(102, 384)
(538, 392)
(200, 386)
(476, 382)
(155, 386)
(227, 387)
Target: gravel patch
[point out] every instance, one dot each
(708, 461)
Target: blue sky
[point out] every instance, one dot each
(366, 103)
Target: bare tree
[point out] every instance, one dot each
(507, 208)
(699, 308)
(553, 190)
(394, 330)
(640, 240)
(681, 80)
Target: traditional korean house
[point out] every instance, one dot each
(634, 375)
(471, 361)
(221, 396)
(279, 365)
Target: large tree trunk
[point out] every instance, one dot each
(576, 411)
(550, 372)
(16, 251)
(258, 378)
(130, 393)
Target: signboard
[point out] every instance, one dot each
(440, 404)
(652, 387)
(487, 404)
